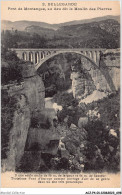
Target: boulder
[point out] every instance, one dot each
(73, 126)
(70, 107)
(57, 107)
(61, 146)
(82, 122)
(81, 159)
(66, 119)
(113, 132)
(82, 166)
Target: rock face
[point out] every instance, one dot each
(34, 89)
(82, 83)
(107, 77)
(112, 62)
(29, 97)
(81, 86)
(42, 138)
(18, 133)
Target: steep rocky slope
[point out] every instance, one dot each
(25, 100)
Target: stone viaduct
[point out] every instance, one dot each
(40, 55)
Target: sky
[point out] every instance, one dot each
(88, 9)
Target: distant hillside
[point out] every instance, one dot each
(117, 18)
(100, 34)
(23, 24)
(104, 34)
(46, 32)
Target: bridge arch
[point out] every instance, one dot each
(60, 52)
(94, 54)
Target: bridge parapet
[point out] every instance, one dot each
(40, 55)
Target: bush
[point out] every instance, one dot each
(98, 154)
(65, 99)
(12, 71)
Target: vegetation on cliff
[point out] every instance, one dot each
(10, 72)
(109, 109)
(11, 69)
(104, 34)
(103, 147)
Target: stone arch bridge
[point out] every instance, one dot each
(39, 56)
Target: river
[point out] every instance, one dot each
(51, 108)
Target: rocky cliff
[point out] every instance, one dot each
(18, 132)
(107, 77)
(29, 101)
(82, 82)
(81, 86)
(110, 62)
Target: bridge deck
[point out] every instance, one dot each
(58, 49)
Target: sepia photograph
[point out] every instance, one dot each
(60, 93)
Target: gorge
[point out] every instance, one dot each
(60, 103)
(52, 133)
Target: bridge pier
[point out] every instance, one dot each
(90, 54)
(98, 57)
(36, 57)
(27, 53)
(33, 57)
(85, 53)
(94, 56)
(30, 56)
(41, 55)
(24, 56)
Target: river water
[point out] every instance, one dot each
(51, 108)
